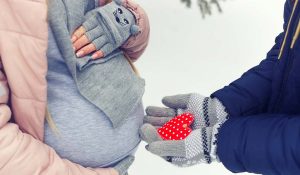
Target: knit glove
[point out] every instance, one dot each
(196, 148)
(108, 27)
(201, 145)
(207, 111)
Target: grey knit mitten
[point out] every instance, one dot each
(201, 145)
(195, 149)
(207, 111)
(108, 27)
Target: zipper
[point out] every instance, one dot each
(283, 85)
(290, 56)
(296, 36)
(288, 29)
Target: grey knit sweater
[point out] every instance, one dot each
(110, 85)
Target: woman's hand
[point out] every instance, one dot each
(83, 46)
(104, 31)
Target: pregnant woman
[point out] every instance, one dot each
(79, 130)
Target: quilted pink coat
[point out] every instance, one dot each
(23, 45)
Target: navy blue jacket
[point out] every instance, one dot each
(263, 133)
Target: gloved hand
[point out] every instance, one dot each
(105, 30)
(201, 145)
(196, 148)
(207, 111)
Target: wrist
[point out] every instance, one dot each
(222, 118)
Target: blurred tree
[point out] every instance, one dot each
(204, 5)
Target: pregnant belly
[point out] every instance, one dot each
(87, 137)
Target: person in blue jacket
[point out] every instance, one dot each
(251, 125)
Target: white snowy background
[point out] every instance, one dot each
(189, 54)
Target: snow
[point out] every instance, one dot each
(188, 54)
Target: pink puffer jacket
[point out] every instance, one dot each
(23, 45)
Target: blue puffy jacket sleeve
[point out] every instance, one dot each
(253, 90)
(262, 144)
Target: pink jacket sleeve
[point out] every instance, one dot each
(21, 153)
(5, 111)
(136, 45)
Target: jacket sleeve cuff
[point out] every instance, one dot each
(135, 46)
(100, 3)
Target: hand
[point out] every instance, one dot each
(207, 111)
(104, 31)
(83, 46)
(196, 148)
(120, 169)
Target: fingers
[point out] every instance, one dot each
(149, 134)
(160, 112)
(177, 101)
(85, 47)
(167, 148)
(78, 33)
(123, 166)
(86, 42)
(157, 121)
(86, 50)
(79, 43)
(97, 55)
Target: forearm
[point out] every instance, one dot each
(249, 95)
(263, 144)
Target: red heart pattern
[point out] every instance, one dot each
(177, 128)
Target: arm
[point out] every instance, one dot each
(253, 89)
(263, 144)
(20, 152)
(19, 148)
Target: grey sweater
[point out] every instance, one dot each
(111, 86)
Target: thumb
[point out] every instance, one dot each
(123, 166)
(176, 101)
(168, 148)
(149, 134)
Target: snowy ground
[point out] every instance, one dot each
(188, 54)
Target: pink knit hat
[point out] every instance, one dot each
(136, 45)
